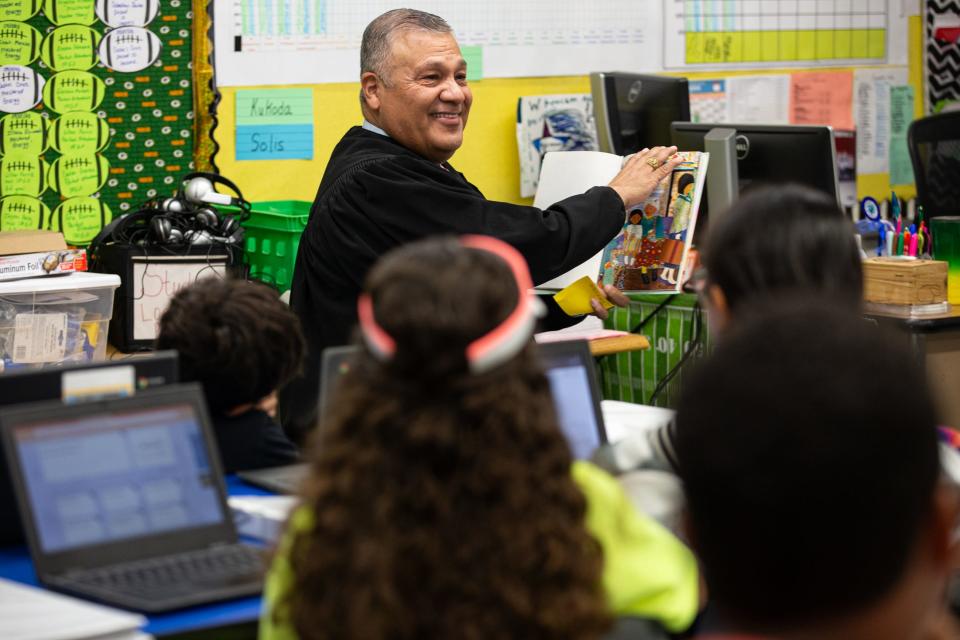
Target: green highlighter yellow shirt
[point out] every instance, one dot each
(646, 570)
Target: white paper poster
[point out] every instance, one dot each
(758, 99)
(871, 112)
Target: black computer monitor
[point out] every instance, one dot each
(771, 154)
(634, 111)
(74, 382)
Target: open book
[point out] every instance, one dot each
(650, 252)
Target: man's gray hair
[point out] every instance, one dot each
(378, 36)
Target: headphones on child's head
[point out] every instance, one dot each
(489, 351)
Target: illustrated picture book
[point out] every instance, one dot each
(649, 254)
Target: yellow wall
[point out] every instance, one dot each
(489, 154)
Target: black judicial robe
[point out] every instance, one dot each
(376, 195)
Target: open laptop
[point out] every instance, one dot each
(75, 382)
(573, 381)
(123, 501)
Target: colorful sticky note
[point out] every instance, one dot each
(275, 124)
(575, 298)
(901, 115)
(473, 54)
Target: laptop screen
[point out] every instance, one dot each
(569, 368)
(117, 474)
(571, 383)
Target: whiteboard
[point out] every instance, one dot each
(278, 42)
(156, 279)
(754, 34)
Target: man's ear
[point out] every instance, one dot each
(719, 308)
(370, 86)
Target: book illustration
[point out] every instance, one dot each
(551, 123)
(649, 253)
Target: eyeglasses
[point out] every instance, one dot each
(696, 282)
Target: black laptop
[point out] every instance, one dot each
(123, 501)
(75, 382)
(573, 381)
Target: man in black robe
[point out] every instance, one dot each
(389, 182)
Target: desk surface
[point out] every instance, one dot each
(15, 565)
(927, 324)
(618, 344)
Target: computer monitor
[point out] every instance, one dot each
(770, 154)
(634, 111)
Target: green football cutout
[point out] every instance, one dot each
(73, 91)
(81, 174)
(22, 213)
(19, 43)
(23, 134)
(70, 47)
(79, 132)
(22, 176)
(69, 11)
(80, 219)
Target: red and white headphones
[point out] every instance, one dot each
(489, 351)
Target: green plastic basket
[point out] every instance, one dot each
(633, 376)
(272, 238)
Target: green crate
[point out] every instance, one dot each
(633, 376)
(271, 240)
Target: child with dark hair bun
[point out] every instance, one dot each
(242, 344)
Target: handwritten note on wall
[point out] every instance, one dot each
(901, 114)
(275, 124)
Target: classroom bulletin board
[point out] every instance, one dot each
(489, 155)
(106, 120)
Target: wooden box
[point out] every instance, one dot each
(899, 281)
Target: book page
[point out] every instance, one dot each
(650, 253)
(568, 174)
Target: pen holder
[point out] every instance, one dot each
(904, 281)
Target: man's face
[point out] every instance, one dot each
(425, 101)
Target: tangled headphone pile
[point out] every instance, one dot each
(188, 218)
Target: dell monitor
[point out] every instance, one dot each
(770, 154)
(634, 111)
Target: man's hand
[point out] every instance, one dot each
(642, 172)
(612, 294)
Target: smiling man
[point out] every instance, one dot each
(388, 182)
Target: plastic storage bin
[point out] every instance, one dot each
(272, 239)
(55, 319)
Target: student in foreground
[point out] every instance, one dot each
(815, 500)
(443, 501)
(241, 343)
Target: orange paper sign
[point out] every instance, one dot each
(822, 98)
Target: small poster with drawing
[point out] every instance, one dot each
(551, 123)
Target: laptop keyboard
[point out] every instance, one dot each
(172, 576)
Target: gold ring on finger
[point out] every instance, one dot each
(653, 162)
